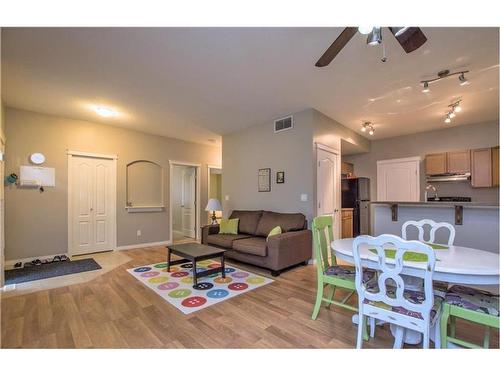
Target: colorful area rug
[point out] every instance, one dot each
(176, 286)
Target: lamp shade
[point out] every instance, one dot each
(213, 205)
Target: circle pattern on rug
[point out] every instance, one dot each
(158, 279)
(201, 269)
(203, 286)
(194, 301)
(168, 286)
(150, 274)
(204, 262)
(180, 274)
(214, 265)
(172, 269)
(238, 286)
(223, 280)
(161, 265)
(229, 269)
(187, 265)
(179, 293)
(218, 293)
(187, 280)
(240, 274)
(142, 269)
(255, 280)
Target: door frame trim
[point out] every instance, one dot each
(113, 158)
(197, 167)
(209, 167)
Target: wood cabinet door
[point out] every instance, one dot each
(347, 230)
(435, 163)
(481, 167)
(458, 161)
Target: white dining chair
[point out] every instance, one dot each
(407, 309)
(433, 229)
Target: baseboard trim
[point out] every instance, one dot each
(143, 245)
(9, 264)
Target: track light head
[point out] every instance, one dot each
(447, 120)
(371, 131)
(463, 80)
(375, 37)
(397, 31)
(426, 87)
(458, 108)
(363, 128)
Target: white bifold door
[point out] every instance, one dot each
(92, 204)
(188, 204)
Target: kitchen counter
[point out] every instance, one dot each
(442, 204)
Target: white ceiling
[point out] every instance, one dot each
(199, 83)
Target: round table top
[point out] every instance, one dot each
(457, 264)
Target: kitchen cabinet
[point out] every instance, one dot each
(458, 161)
(484, 167)
(448, 162)
(347, 222)
(398, 180)
(435, 163)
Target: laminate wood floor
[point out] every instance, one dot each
(114, 310)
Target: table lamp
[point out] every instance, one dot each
(213, 205)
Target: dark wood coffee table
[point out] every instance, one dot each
(194, 252)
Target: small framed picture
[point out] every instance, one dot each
(280, 177)
(265, 180)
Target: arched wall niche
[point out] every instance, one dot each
(145, 185)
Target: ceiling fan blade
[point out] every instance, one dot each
(412, 39)
(332, 51)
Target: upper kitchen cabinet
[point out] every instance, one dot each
(448, 162)
(484, 167)
(435, 163)
(458, 162)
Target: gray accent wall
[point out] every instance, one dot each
(292, 151)
(447, 139)
(36, 223)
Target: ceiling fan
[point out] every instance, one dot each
(410, 39)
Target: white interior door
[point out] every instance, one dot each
(92, 205)
(328, 189)
(398, 180)
(188, 206)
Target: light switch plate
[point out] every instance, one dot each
(303, 197)
(226, 197)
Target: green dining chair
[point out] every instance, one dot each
(472, 305)
(331, 275)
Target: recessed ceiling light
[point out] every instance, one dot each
(104, 111)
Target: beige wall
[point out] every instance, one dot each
(36, 223)
(447, 139)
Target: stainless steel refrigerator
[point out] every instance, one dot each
(356, 195)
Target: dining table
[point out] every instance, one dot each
(454, 265)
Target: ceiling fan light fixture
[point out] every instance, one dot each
(375, 37)
(463, 80)
(365, 30)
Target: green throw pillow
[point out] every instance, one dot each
(228, 226)
(274, 232)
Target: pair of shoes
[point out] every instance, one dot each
(18, 264)
(64, 258)
(36, 262)
(57, 258)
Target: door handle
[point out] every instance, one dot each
(91, 209)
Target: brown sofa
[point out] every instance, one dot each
(292, 247)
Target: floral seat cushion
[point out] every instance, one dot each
(473, 299)
(348, 273)
(412, 296)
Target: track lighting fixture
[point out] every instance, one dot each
(367, 126)
(445, 74)
(397, 31)
(454, 109)
(365, 30)
(463, 80)
(375, 37)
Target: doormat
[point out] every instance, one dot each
(176, 286)
(46, 271)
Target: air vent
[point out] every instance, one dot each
(283, 124)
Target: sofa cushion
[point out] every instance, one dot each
(248, 220)
(252, 245)
(287, 222)
(224, 240)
